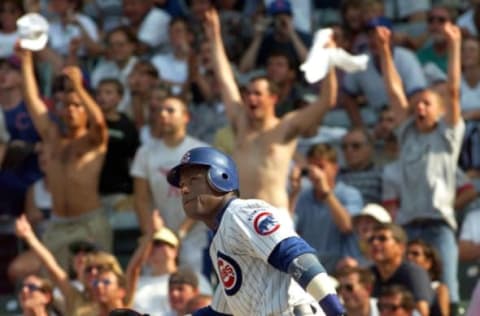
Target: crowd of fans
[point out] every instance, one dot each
(377, 168)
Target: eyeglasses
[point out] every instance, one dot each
(439, 19)
(32, 287)
(352, 145)
(380, 238)
(347, 287)
(388, 307)
(104, 282)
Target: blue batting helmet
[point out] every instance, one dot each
(222, 172)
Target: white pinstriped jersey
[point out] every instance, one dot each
(247, 234)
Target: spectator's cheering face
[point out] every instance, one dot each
(10, 11)
(260, 99)
(470, 52)
(426, 106)
(386, 123)
(354, 293)
(179, 36)
(73, 113)
(436, 19)
(357, 149)
(391, 305)
(108, 96)
(108, 288)
(384, 248)
(179, 293)
(34, 293)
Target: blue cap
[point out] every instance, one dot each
(280, 7)
(379, 21)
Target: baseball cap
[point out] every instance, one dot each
(379, 21)
(376, 211)
(280, 7)
(167, 236)
(33, 31)
(184, 276)
(82, 245)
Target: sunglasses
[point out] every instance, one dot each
(388, 307)
(33, 287)
(380, 238)
(436, 19)
(347, 287)
(104, 282)
(352, 145)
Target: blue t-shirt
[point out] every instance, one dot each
(14, 183)
(315, 224)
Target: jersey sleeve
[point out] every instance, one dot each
(219, 302)
(257, 231)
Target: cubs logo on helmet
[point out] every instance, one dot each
(265, 224)
(230, 273)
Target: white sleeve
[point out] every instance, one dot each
(139, 168)
(258, 231)
(219, 302)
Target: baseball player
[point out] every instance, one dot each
(255, 251)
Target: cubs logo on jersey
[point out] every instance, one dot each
(230, 273)
(265, 224)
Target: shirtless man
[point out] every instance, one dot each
(264, 144)
(75, 151)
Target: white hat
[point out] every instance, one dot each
(33, 31)
(166, 235)
(377, 212)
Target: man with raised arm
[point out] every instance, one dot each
(264, 144)
(75, 152)
(429, 148)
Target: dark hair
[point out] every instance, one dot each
(430, 253)
(398, 233)
(184, 276)
(17, 3)
(365, 276)
(407, 299)
(125, 312)
(113, 81)
(322, 150)
(283, 54)
(366, 134)
(272, 86)
(147, 67)
(126, 30)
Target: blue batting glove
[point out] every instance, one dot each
(331, 305)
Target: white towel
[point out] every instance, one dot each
(321, 59)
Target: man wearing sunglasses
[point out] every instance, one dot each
(395, 300)
(109, 289)
(387, 248)
(355, 288)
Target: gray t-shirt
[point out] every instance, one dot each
(427, 163)
(370, 82)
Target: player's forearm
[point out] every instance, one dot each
(310, 274)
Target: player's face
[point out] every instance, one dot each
(200, 200)
(179, 295)
(354, 294)
(259, 101)
(426, 109)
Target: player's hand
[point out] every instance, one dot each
(212, 23)
(23, 229)
(74, 74)
(383, 37)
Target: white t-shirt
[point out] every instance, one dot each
(170, 68)
(154, 28)
(469, 96)
(470, 229)
(60, 35)
(8, 41)
(152, 163)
